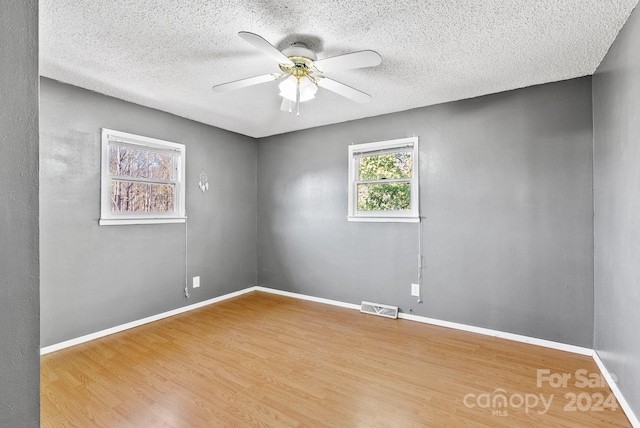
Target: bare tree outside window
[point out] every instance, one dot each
(141, 179)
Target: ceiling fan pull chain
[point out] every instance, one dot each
(298, 98)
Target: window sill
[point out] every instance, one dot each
(385, 219)
(130, 221)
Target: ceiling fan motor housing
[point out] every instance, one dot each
(299, 50)
(302, 59)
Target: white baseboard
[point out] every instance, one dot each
(137, 323)
(488, 332)
(310, 298)
(433, 321)
(616, 391)
(457, 326)
(501, 334)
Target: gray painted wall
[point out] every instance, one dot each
(506, 195)
(19, 270)
(96, 277)
(616, 121)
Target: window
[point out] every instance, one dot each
(383, 181)
(142, 180)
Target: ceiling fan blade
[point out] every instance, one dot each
(342, 89)
(243, 83)
(265, 47)
(349, 61)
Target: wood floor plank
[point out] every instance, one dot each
(267, 360)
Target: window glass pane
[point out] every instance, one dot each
(384, 197)
(130, 197)
(385, 166)
(161, 166)
(126, 161)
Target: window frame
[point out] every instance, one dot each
(107, 217)
(406, 216)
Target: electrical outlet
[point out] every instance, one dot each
(415, 290)
(196, 281)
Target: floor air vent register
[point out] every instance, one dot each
(379, 309)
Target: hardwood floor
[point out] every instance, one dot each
(267, 360)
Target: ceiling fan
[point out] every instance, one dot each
(302, 72)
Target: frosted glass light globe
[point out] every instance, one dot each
(307, 89)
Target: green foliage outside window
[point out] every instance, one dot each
(373, 193)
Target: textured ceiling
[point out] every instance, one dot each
(167, 54)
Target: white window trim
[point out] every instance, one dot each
(107, 218)
(409, 216)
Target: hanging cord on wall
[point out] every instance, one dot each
(419, 250)
(186, 259)
(420, 219)
(420, 257)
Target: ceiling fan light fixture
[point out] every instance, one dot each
(290, 85)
